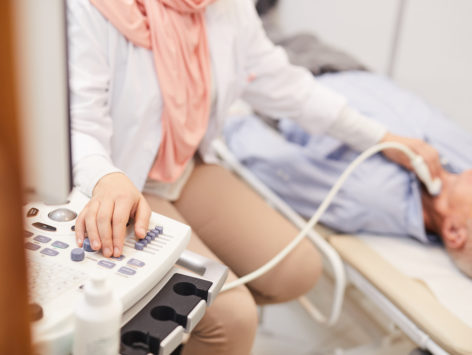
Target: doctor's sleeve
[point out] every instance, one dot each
(89, 79)
(278, 89)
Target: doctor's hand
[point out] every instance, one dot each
(114, 200)
(426, 151)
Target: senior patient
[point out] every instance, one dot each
(450, 216)
(379, 197)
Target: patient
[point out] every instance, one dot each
(450, 216)
(379, 197)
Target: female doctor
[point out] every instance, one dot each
(151, 81)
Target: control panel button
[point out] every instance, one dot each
(126, 270)
(42, 239)
(136, 262)
(148, 238)
(27, 234)
(139, 245)
(143, 241)
(72, 228)
(106, 263)
(77, 254)
(62, 215)
(44, 226)
(50, 252)
(32, 246)
(159, 229)
(119, 258)
(60, 245)
(87, 246)
(32, 212)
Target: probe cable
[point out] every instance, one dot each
(418, 165)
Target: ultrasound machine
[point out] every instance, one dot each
(161, 301)
(164, 289)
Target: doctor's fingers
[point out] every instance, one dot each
(80, 229)
(141, 218)
(121, 215)
(103, 221)
(86, 223)
(431, 157)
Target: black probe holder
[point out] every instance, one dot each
(168, 310)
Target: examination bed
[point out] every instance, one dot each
(356, 260)
(408, 302)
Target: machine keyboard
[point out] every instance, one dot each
(58, 268)
(48, 280)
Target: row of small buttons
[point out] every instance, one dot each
(110, 264)
(43, 239)
(57, 243)
(78, 254)
(46, 251)
(150, 236)
(123, 270)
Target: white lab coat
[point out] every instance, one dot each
(116, 102)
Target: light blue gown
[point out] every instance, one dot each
(380, 197)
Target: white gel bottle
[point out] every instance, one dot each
(97, 319)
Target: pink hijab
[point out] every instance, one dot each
(175, 32)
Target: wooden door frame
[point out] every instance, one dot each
(15, 335)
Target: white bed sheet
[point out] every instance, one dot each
(431, 265)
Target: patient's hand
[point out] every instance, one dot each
(429, 154)
(114, 200)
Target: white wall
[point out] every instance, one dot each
(434, 56)
(364, 28)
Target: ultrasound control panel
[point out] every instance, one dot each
(58, 268)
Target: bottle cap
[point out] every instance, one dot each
(97, 290)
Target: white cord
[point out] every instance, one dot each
(324, 205)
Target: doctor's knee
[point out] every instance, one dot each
(292, 278)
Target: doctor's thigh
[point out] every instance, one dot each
(233, 224)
